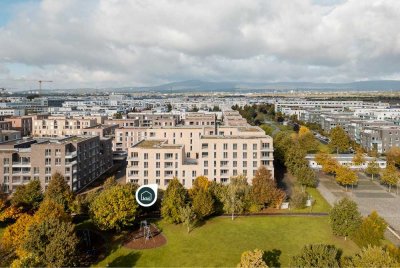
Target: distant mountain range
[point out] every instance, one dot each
(206, 86)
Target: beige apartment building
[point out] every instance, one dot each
(159, 154)
(60, 126)
(21, 123)
(79, 159)
(200, 119)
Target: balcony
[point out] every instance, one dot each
(21, 164)
(71, 155)
(72, 163)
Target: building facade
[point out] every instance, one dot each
(79, 159)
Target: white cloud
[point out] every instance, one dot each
(116, 42)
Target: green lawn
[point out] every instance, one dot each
(320, 204)
(220, 242)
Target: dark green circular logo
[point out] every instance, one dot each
(145, 196)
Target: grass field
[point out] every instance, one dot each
(220, 242)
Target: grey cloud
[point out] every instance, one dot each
(115, 42)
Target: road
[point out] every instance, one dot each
(369, 196)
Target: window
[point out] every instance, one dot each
(244, 146)
(254, 163)
(244, 155)
(254, 146)
(204, 146)
(168, 156)
(146, 156)
(158, 156)
(194, 173)
(58, 161)
(146, 164)
(48, 161)
(6, 161)
(58, 152)
(225, 146)
(205, 172)
(225, 154)
(6, 170)
(234, 154)
(215, 146)
(245, 172)
(235, 146)
(244, 163)
(158, 164)
(235, 172)
(47, 152)
(265, 145)
(158, 181)
(204, 154)
(145, 181)
(36, 170)
(158, 173)
(47, 170)
(234, 163)
(205, 163)
(146, 173)
(254, 155)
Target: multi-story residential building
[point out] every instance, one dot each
(187, 152)
(356, 127)
(5, 125)
(380, 138)
(155, 120)
(330, 121)
(233, 118)
(21, 123)
(12, 112)
(79, 159)
(9, 135)
(55, 126)
(200, 119)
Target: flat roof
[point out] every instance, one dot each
(156, 144)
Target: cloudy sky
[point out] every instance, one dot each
(102, 43)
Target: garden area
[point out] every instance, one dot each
(220, 242)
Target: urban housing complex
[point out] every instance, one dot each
(375, 126)
(159, 138)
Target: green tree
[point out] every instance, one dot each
(235, 195)
(118, 115)
(345, 176)
(390, 176)
(115, 207)
(28, 196)
(373, 256)
(262, 185)
(371, 231)
(328, 163)
(187, 217)
(372, 169)
(339, 140)
(295, 158)
(203, 203)
(174, 199)
(318, 255)
(252, 259)
(344, 218)
(59, 190)
(52, 242)
(306, 177)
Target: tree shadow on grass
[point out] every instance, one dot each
(271, 258)
(128, 260)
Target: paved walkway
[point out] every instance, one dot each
(369, 195)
